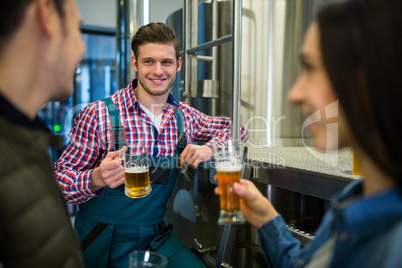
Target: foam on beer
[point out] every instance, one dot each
(227, 167)
(136, 169)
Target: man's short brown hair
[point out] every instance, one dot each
(155, 33)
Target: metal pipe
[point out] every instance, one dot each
(121, 43)
(236, 67)
(219, 41)
(131, 15)
(214, 77)
(205, 58)
(227, 246)
(187, 42)
(194, 42)
(214, 37)
(191, 21)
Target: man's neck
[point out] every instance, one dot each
(155, 104)
(16, 87)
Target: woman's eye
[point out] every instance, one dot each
(307, 67)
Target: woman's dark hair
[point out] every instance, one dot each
(361, 44)
(155, 33)
(12, 13)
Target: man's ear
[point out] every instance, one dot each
(179, 64)
(47, 16)
(134, 63)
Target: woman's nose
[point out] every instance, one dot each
(296, 92)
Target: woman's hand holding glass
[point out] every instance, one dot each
(255, 207)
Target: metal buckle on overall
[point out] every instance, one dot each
(119, 137)
(181, 141)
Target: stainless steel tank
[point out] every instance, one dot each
(272, 34)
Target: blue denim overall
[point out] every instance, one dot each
(112, 225)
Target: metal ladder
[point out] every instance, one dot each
(191, 47)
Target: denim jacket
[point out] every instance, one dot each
(368, 232)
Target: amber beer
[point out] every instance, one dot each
(228, 165)
(229, 201)
(137, 178)
(357, 170)
(137, 182)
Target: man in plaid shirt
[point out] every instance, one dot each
(109, 224)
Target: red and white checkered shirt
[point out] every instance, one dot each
(91, 137)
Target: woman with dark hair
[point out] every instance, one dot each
(352, 66)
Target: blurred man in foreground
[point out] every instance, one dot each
(40, 47)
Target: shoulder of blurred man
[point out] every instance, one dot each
(35, 211)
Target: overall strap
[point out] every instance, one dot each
(179, 116)
(181, 135)
(118, 133)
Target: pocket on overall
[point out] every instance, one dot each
(96, 245)
(160, 169)
(167, 244)
(159, 175)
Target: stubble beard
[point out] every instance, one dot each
(65, 88)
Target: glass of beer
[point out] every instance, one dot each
(357, 170)
(146, 259)
(228, 165)
(136, 172)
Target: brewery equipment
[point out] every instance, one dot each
(240, 59)
(240, 62)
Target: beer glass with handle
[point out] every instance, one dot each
(146, 259)
(228, 165)
(136, 171)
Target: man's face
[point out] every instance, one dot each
(156, 66)
(71, 50)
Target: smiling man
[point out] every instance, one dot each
(110, 225)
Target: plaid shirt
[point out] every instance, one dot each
(91, 137)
